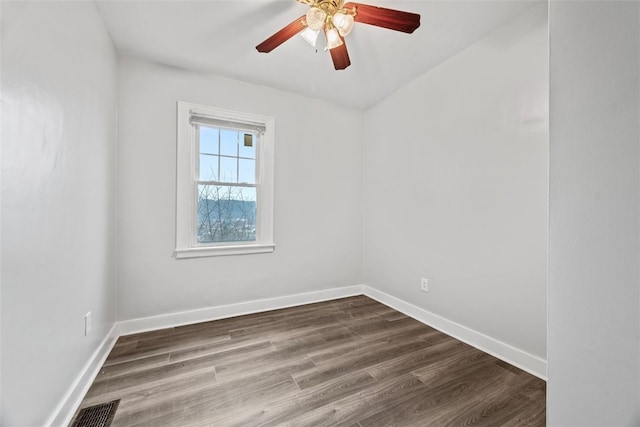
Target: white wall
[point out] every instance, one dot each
(59, 76)
(456, 187)
(318, 210)
(594, 247)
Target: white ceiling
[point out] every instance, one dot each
(219, 37)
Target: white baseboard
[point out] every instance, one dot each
(71, 401)
(519, 358)
(61, 417)
(145, 324)
(66, 409)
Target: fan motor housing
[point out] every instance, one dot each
(330, 7)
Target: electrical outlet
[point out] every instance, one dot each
(424, 284)
(87, 323)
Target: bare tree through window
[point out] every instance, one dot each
(226, 214)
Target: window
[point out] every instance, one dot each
(224, 182)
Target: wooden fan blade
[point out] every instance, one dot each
(340, 56)
(282, 36)
(392, 19)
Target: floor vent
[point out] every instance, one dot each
(96, 416)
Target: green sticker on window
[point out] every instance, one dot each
(248, 140)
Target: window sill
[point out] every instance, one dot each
(207, 251)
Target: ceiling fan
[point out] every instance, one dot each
(336, 19)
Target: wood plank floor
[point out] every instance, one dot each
(351, 362)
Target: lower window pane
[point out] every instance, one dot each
(226, 214)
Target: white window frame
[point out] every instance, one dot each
(186, 188)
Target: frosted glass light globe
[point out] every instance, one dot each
(343, 22)
(310, 36)
(315, 18)
(333, 38)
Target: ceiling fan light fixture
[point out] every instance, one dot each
(333, 38)
(316, 18)
(310, 36)
(336, 19)
(343, 22)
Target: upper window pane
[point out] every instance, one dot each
(208, 140)
(227, 155)
(228, 142)
(247, 146)
(208, 167)
(228, 169)
(247, 171)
